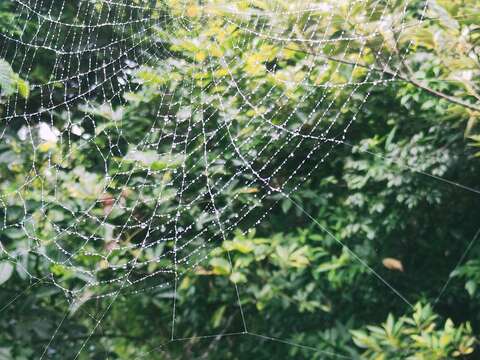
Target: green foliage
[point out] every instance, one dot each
(416, 337)
(10, 82)
(470, 272)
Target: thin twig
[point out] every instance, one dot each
(394, 74)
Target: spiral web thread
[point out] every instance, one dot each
(177, 158)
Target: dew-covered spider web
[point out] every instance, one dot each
(159, 129)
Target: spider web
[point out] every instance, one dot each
(124, 225)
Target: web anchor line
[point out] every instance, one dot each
(243, 334)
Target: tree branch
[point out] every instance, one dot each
(402, 77)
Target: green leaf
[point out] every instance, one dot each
(6, 270)
(220, 266)
(11, 82)
(286, 205)
(7, 81)
(471, 287)
(23, 88)
(218, 316)
(237, 278)
(244, 246)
